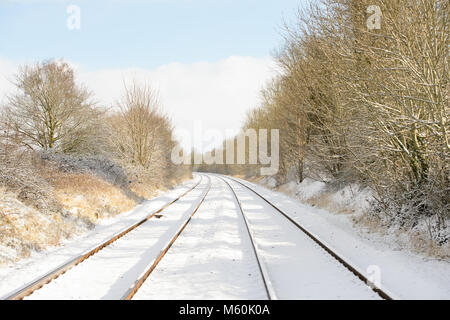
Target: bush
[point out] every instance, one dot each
(25, 180)
(100, 166)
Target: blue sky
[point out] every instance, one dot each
(208, 59)
(138, 33)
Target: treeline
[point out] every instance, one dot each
(50, 116)
(357, 103)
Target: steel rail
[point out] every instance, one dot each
(38, 283)
(131, 292)
(270, 291)
(382, 293)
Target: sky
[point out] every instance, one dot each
(208, 59)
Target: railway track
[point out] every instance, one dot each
(34, 285)
(140, 281)
(270, 291)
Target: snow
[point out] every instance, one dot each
(108, 274)
(298, 267)
(350, 198)
(308, 189)
(212, 259)
(14, 276)
(406, 274)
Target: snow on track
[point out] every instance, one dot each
(407, 275)
(109, 273)
(212, 259)
(297, 266)
(40, 263)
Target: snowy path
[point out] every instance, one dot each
(297, 266)
(109, 273)
(212, 259)
(407, 275)
(14, 276)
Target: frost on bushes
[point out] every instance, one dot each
(30, 187)
(97, 165)
(423, 210)
(30, 216)
(24, 229)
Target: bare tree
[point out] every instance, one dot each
(355, 104)
(139, 122)
(49, 110)
(142, 135)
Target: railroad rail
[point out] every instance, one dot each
(382, 293)
(34, 285)
(131, 292)
(270, 291)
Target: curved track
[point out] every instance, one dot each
(327, 249)
(139, 282)
(270, 291)
(290, 263)
(37, 284)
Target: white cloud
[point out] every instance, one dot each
(7, 70)
(216, 93)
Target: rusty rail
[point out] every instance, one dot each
(270, 291)
(131, 292)
(34, 285)
(382, 293)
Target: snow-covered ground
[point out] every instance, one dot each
(212, 259)
(14, 276)
(108, 274)
(297, 266)
(407, 275)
